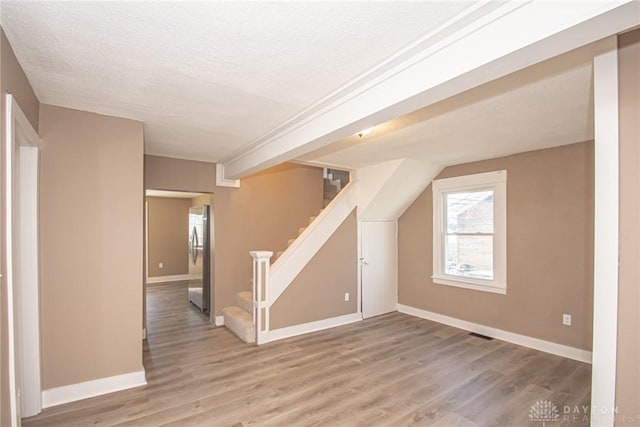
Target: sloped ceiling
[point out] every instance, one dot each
(546, 105)
(207, 78)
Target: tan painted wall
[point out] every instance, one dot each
(164, 173)
(91, 206)
(318, 291)
(628, 370)
(265, 212)
(13, 81)
(549, 246)
(168, 235)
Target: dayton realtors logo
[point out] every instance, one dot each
(544, 411)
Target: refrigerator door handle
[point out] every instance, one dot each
(193, 245)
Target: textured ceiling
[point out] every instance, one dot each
(546, 105)
(206, 78)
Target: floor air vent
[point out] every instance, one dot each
(484, 337)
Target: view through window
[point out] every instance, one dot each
(469, 231)
(469, 234)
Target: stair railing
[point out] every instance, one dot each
(261, 277)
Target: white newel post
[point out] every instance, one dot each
(261, 272)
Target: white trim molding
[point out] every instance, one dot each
(523, 340)
(174, 278)
(605, 238)
(218, 320)
(221, 181)
(22, 272)
(71, 393)
(319, 325)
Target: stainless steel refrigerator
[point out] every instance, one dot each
(199, 257)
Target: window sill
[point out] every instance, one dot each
(467, 283)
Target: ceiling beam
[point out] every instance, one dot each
(480, 45)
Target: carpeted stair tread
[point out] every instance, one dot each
(244, 300)
(240, 323)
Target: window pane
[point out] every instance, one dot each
(470, 212)
(469, 256)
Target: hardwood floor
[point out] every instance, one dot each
(392, 370)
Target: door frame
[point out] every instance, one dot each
(211, 237)
(22, 250)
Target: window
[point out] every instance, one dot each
(470, 231)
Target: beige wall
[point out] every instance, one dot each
(91, 210)
(628, 370)
(13, 81)
(549, 249)
(318, 291)
(265, 212)
(168, 235)
(164, 173)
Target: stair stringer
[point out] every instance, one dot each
(285, 269)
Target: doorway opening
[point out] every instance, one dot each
(178, 257)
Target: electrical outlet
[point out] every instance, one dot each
(346, 296)
(566, 319)
(160, 265)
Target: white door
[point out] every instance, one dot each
(379, 267)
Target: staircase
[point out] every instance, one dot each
(334, 182)
(249, 318)
(239, 318)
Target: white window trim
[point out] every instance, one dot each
(497, 181)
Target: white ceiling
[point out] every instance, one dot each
(207, 78)
(547, 105)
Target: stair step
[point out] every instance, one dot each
(331, 190)
(332, 186)
(290, 242)
(311, 219)
(244, 300)
(240, 323)
(301, 230)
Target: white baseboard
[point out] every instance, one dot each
(71, 393)
(219, 321)
(523, 340)
(305, 328)
(175, 278)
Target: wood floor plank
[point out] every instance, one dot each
(391, 370)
